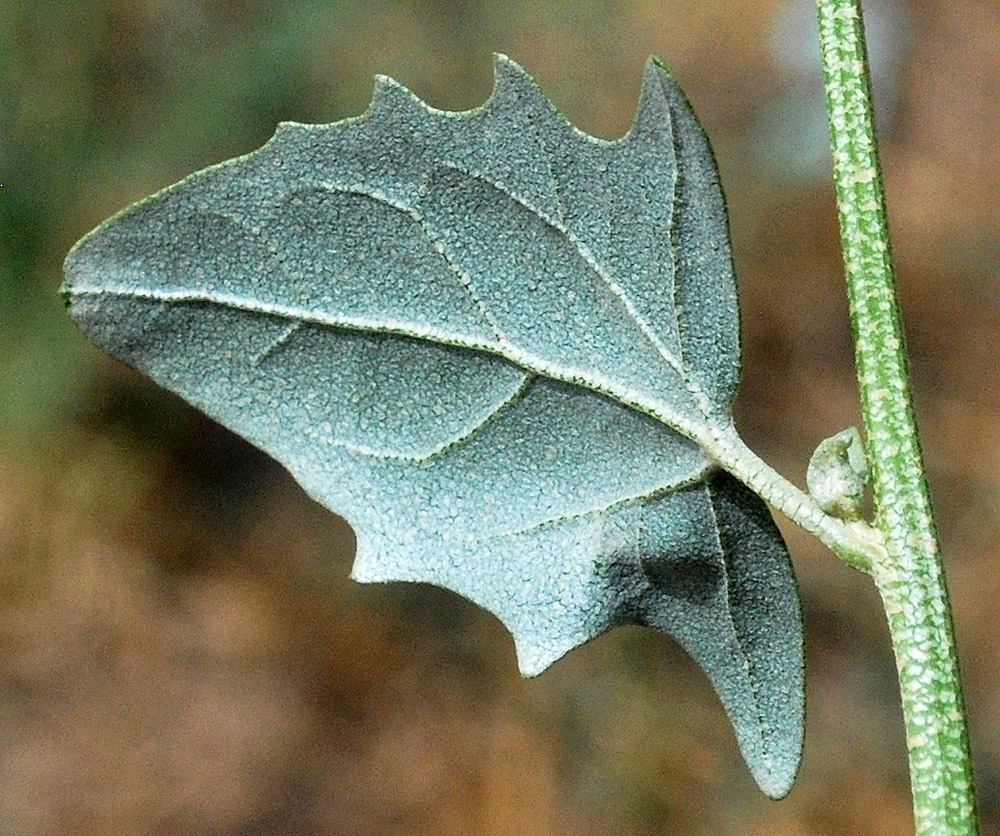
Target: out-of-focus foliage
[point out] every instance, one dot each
(181, 650)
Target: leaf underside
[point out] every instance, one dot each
(497, 346)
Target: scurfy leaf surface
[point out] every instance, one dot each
(498, 347)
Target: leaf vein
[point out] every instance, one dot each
(463, 280)
(404, 328)
(276, 344)
(645, 496)
(588, 256)
(697, 393)
(744, 655)
(443, 448)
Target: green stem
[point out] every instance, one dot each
(910, 576)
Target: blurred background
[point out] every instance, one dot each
(180, 649)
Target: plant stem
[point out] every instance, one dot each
(909, 576)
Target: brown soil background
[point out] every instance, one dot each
(180, 649)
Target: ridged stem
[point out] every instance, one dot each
(909, 575)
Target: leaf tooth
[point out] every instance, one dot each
(288, 127)
(508, 74)
(518, 95)
(388, 95)
(653, 112)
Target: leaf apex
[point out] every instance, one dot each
(529, 667)
(534, 658)
(655, 76)
(657, 63)
(775, 788)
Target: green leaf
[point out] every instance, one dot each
(500, 348)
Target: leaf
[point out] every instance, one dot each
(499, 347)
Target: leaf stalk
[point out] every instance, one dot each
(857, 543)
